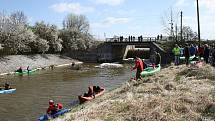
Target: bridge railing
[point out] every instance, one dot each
(143, 39)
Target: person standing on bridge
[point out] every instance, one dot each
(139, 66)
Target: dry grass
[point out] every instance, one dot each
(175, 94)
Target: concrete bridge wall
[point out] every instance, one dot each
(117, 51)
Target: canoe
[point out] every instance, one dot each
(59, 113)
(150, 71)
(83, 98)
(7, 91)
(26, 72)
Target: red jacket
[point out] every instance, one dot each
(201, 50)
(53, 108)
(138, 64)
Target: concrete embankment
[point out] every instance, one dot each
(175, 94)
(9, 64)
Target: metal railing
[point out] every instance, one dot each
(143, 39)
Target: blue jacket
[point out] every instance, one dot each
(192, 51)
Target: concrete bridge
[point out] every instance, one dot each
(114, 50)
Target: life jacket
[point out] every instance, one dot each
(51, 109)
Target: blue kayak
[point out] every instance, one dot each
(3, 91)
(59, 113)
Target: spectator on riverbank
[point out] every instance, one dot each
(196, 49)
(206, 53)
(192, 50)
(213, 54)
(181, 51)
(176, 52)
(201, 51)
(138, 66)
(187, 54)
(158, 58)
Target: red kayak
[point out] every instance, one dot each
(83, 98)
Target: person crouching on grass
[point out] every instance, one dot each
(139, 67)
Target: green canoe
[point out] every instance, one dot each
(26, 72)
(150, 71)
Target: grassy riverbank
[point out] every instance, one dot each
(11, 63)
(175, 94)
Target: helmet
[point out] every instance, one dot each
(51, 102)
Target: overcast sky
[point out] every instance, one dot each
(119, 17)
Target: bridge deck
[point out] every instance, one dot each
(131, 43)
(143, 39)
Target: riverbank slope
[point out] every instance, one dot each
(175, 94)
(12, 62)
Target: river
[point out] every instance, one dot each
(60, 84)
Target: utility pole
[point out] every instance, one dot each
(199, 37)
(105, 36)
(176, 33)
(171, 25)
(181, 27)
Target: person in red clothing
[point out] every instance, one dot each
(52, 109)
(139, 67)
(201, 51)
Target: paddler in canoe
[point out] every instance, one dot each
(53, 108)
(19, 70)
(93, 91)
(28, 69)
(6, 87)
(90, 92)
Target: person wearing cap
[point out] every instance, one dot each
(139, 66)
(52, 109)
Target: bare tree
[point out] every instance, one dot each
(188, 33)
(76, 23)
(169, 22)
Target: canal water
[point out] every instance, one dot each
(60, 84)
